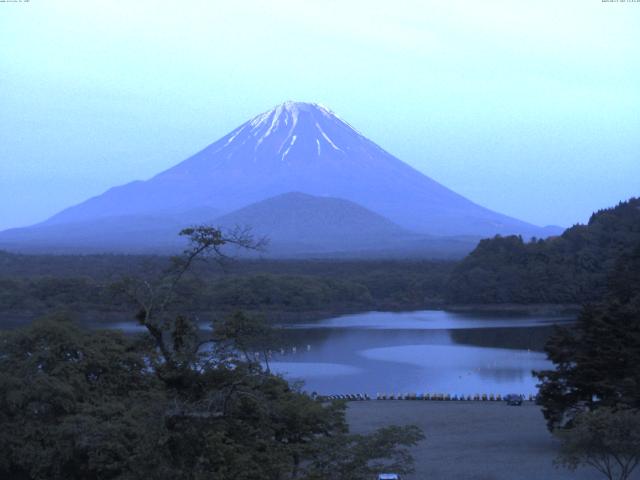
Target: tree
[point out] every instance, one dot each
(237, 421)
(231, 418)
(175, 335)
(597, 362)
(249, 335)
(605, 439)
(76, 404)
(571, 268)
(361, 457)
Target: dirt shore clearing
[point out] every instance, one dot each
(471, 440)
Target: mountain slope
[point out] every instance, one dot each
(308, 219)
(305, 148)
(296, 224)
(142, 233)
(299, 224)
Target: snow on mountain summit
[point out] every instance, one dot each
(292, 121)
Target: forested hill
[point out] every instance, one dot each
(34, 285)
(571, 268)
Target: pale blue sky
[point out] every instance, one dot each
(530, 108)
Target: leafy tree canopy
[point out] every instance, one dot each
(571, 268)
(607, 440)
(597, 362)
(77, 404)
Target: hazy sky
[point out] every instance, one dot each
(531, 108)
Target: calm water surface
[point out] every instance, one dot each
(421, 352)
(425, 351)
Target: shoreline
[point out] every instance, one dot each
(524, 308)
(98, 318)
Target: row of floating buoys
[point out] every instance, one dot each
(446, 397)
(350, 397)
(422, 396)
(292, 350)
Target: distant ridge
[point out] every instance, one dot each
(305, 218)
(298, 224)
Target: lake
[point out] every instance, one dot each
(430, 351)
(425, 351)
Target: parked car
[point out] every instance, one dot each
(388, 476)
(513, 399)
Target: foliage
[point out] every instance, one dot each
(597, 362)
(607, 440)
(81, 405)
(289, 292)
(249, 335)
(278, 290)
(75, 404)
(570, 269)
(97, 405)
(361, 457)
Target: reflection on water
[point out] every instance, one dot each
(404, 352)
(427, 351)
(324, 369)
(433, 320)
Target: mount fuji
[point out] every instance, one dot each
(294, 147)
